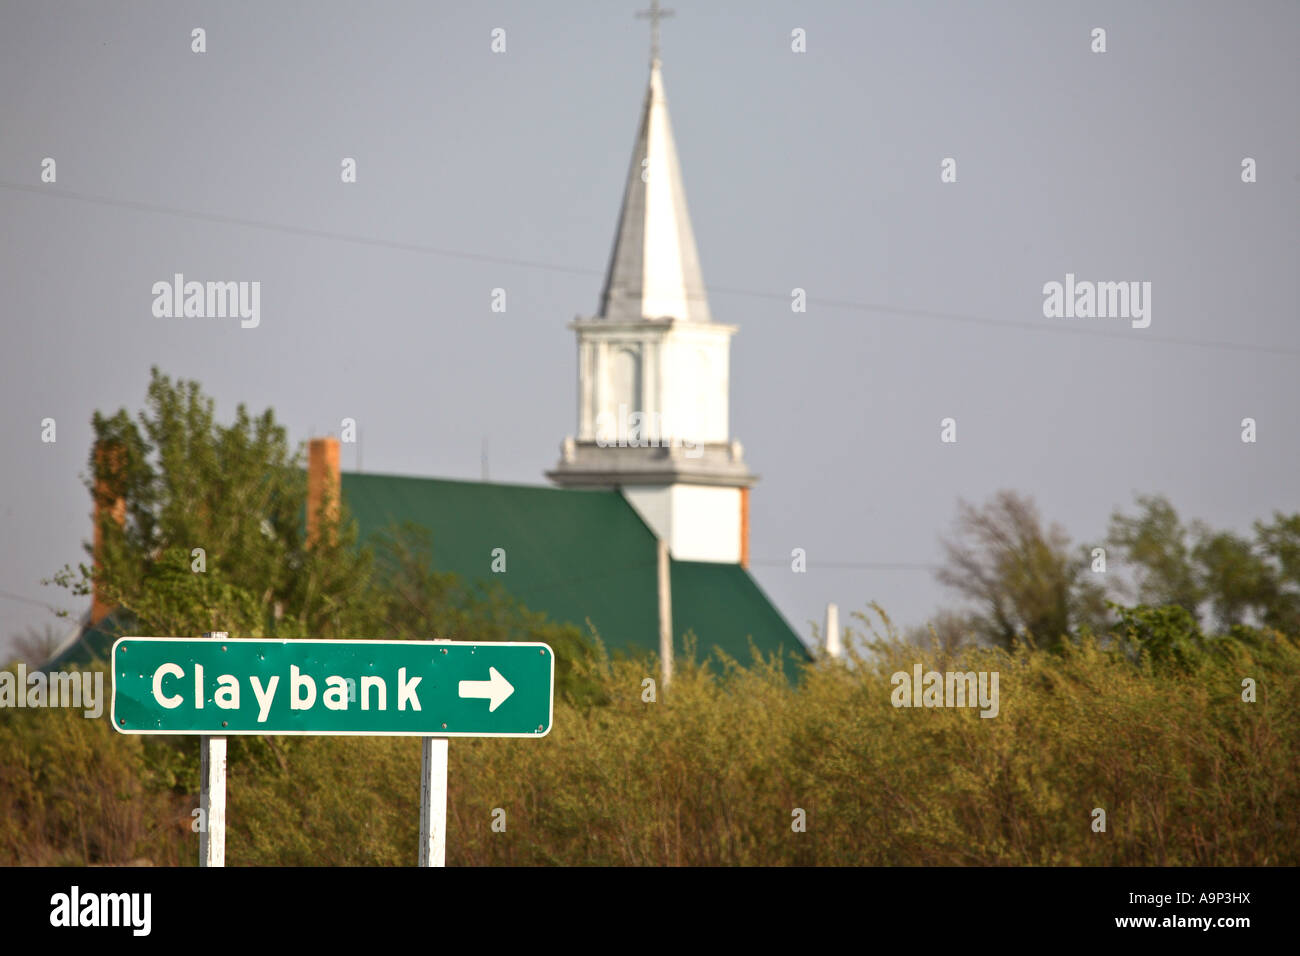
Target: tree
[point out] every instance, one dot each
(1234, 578)
(1162, 551)
(35, 645)
(1024, 577)
(214, 533)
(1279, 544)
(1217, 577)
(215, 539)
(946, 632)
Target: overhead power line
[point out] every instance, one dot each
(26, 600)
(856, 565)
(784, 297)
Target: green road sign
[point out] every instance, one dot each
(176, 685)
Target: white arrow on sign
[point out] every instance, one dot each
(496, 688)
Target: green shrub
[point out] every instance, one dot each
(709, 774)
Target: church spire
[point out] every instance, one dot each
(654, 270)
(654, 369)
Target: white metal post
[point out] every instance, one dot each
(665, 614)
(834, 639)
(212, 792)
(433, 800)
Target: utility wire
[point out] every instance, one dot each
(783, 297)
(292, 230)
(26, 600)
(863, 565)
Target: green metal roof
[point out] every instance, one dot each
(575, 555)
(95, 644)
(724, 606)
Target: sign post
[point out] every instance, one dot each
(217, 687)
(212, 792)
(433, 800)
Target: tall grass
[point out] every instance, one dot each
(712, 772)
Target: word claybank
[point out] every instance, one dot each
(425, 688)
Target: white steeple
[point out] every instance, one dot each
(654, 271)
(653, 368)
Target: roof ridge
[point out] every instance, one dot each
(471, 481)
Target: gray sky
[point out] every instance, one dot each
(817, 170)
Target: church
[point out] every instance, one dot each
(643, 535)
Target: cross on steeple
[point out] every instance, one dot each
(654, 15)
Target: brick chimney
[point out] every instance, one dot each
(110, 504)
(324, 483)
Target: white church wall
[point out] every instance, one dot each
(706, 523)
(695, 374)
(677, 376)
(699, 522)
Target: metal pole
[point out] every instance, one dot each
(212, 792)
(665, 614)
(433, 800)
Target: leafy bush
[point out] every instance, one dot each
(709, 774)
